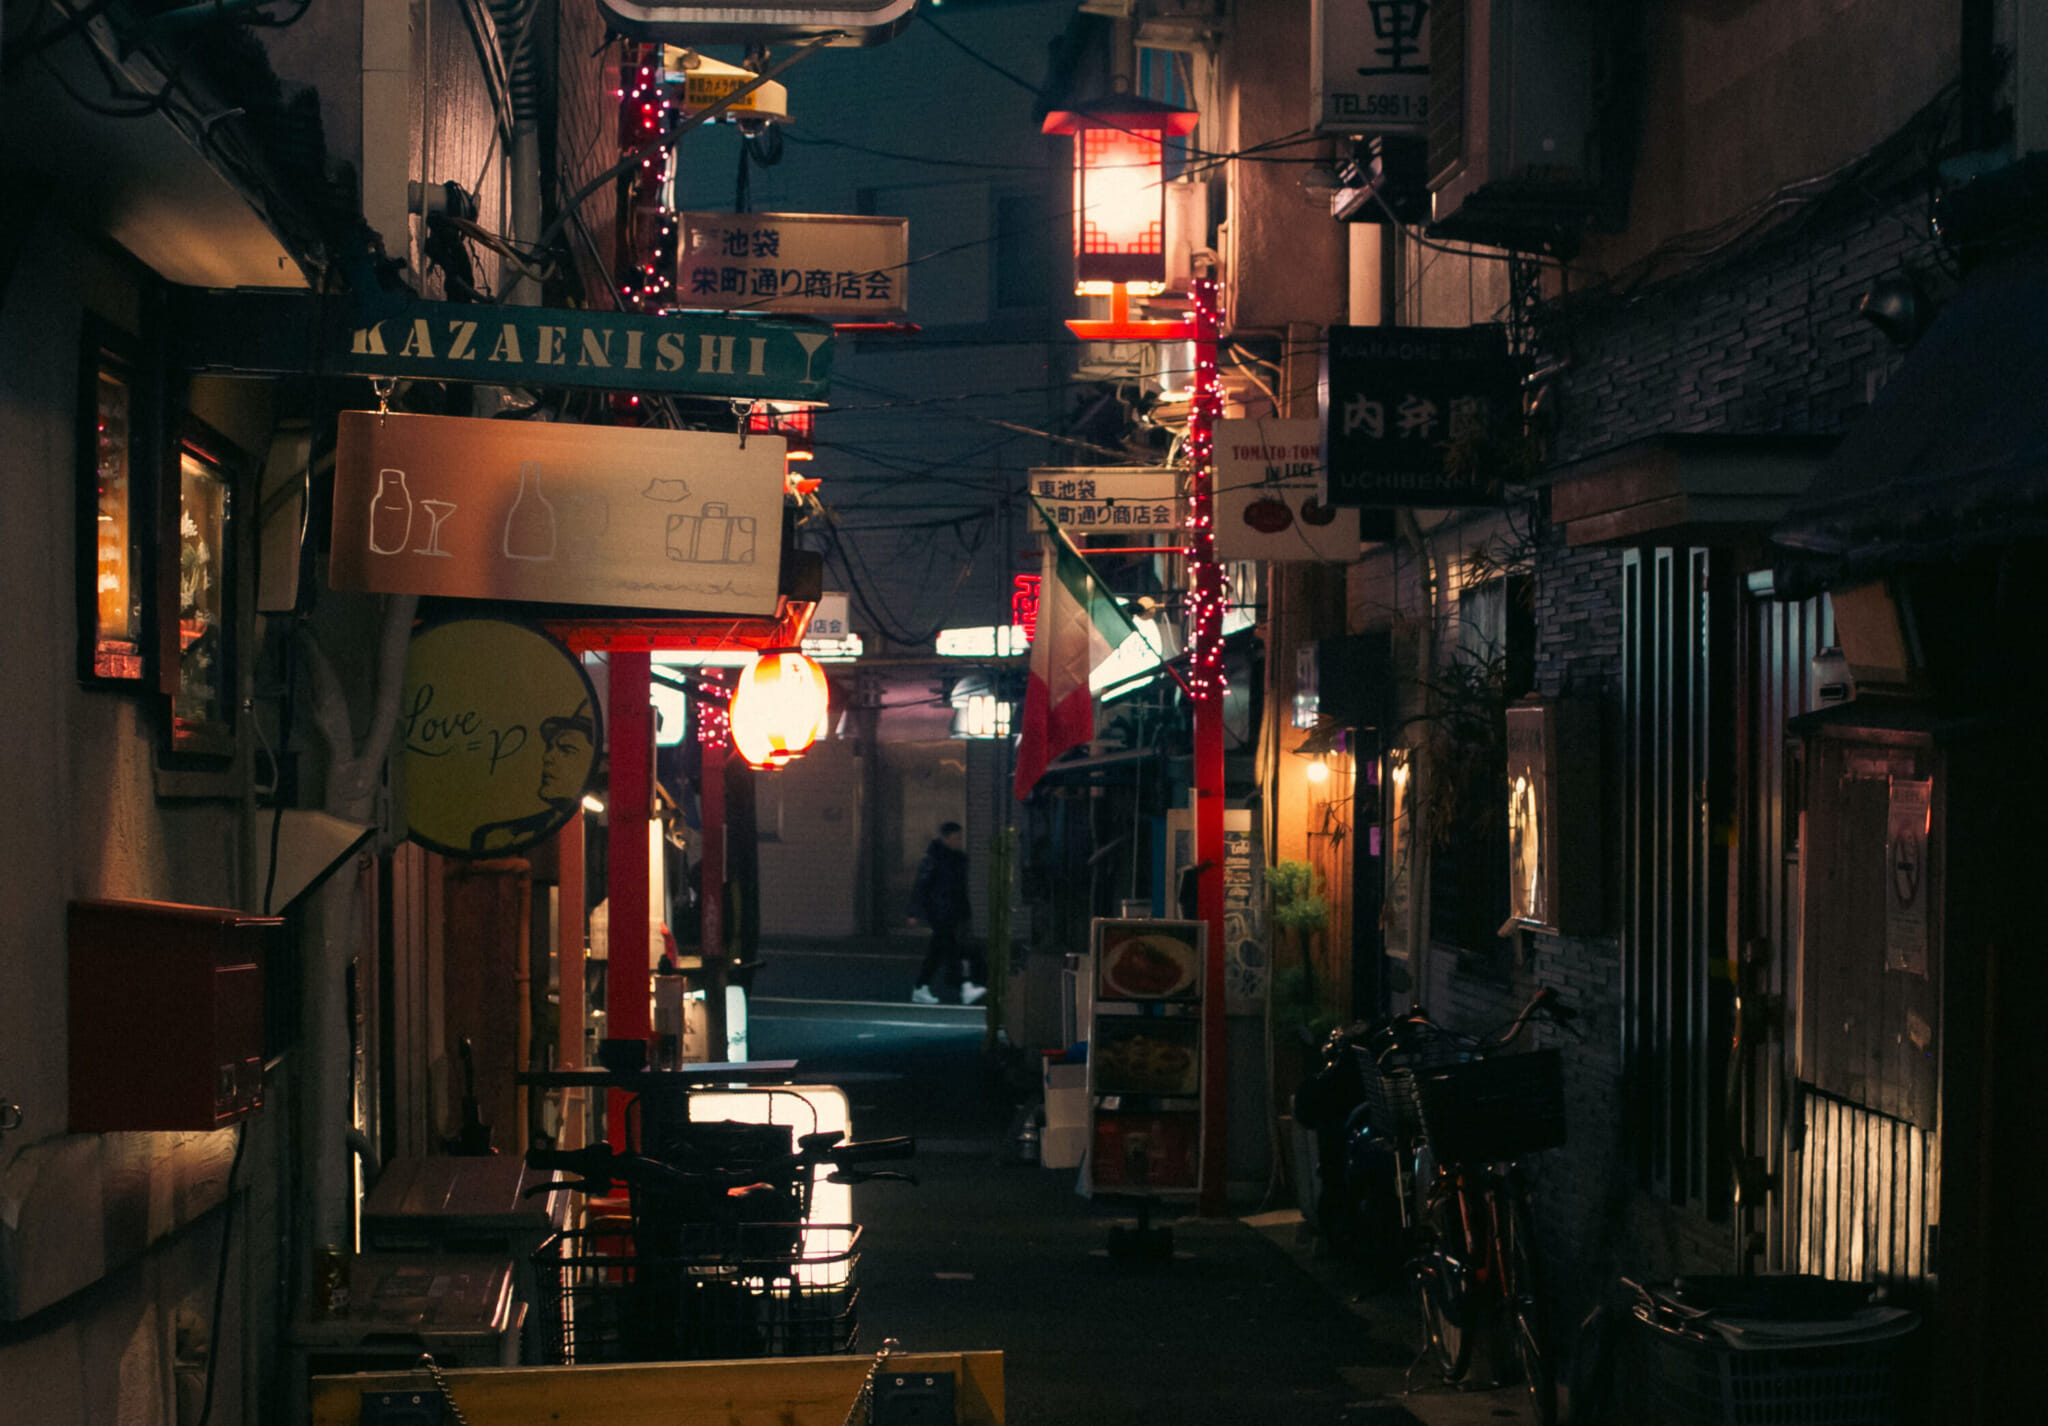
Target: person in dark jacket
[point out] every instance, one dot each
(938, 897)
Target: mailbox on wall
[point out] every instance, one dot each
(1555, 878)
(166, 1015)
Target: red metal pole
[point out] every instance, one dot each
(1205, 679)
(571, 893)
(629, 800)
(712, 796)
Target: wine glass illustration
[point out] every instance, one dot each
(811, 342)
(438, 512)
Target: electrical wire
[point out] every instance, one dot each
(220, 1277)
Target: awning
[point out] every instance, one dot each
(1684, 489)
(1953, 455)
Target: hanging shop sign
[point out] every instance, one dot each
(1110, 499)
(817, 264)
(690, 354)
(1408, 413)
(554, 513)
(1369, 66)
(502, 735)
(1269, 495)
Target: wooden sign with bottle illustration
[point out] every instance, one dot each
(560, 514)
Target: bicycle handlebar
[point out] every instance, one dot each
(599, 1166)
(1403, 1031)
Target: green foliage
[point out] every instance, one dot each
(1298, 1010)
(1298, 903)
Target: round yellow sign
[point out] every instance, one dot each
(502, 737)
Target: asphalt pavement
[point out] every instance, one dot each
(1243, 1325)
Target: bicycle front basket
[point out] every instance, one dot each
(1483, 1111)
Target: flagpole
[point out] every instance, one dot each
(1205, 643)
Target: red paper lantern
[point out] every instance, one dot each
(779, 708)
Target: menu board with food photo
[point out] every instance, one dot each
(1147, 1054)
(1149, 960)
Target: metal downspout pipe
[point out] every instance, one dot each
(518, 23)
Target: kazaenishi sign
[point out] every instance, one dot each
(685, 354)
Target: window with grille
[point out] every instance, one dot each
(1678, 689)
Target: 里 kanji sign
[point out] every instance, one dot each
(1405, 408)
(822, 265)
(1369, 67)
(1089, 500)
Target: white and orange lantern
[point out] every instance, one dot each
(779, 708)
(1120, 190)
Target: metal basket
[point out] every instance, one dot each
(1484, 1111)
(1688, 1378)
(703, 1293)
(1390, 1099)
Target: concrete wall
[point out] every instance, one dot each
(105, 1239)
(810, 818)
(1285, 257)
(1746, 96)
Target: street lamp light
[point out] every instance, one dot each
(1120, 190)
(779, 708)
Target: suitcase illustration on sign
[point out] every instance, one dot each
(713, 537)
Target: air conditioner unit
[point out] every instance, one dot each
(1513, 138)
(1189, 26)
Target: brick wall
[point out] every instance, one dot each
(1771, 344)
(1768, 345)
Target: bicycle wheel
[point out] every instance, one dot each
(1442, 1283)
(1529, 1325)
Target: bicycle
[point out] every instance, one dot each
(718, 1260)
(1465, 1115)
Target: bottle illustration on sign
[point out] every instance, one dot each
(530, 523)
(390, 514)
(438, 512)
(713, 537)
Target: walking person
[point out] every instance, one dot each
(939, 897)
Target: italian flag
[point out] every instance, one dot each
(1079, 624)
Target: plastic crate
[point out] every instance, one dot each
(1484, 1111)
(704, 1294)
(1688, 1378)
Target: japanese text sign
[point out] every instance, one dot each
(832, 619)
(822, 265)
(555, 513)
(1369, 66)
(1269, 503)
(1112, 499)
(1397, 402)
(690, 354)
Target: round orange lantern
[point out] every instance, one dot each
(779, 708)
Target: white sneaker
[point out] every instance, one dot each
(970, 992)
(922, 995)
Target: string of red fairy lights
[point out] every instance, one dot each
(1204, 601)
